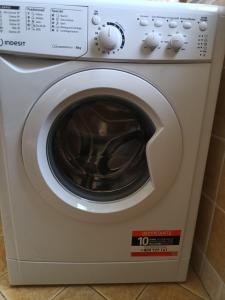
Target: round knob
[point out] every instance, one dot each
(152, 40)
(177, 41)
(109, 37)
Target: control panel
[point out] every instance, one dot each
(43, 29)
(152, 34)
(102, 31)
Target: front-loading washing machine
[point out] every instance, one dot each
(106, 112)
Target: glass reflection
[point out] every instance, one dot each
(96, 148)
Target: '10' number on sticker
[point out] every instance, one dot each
(143, 241)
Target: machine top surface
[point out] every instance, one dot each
(98, 30)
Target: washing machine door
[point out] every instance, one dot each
(102, 143)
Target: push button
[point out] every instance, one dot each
(158, 23)
(203, 26)
(187, 25)
(144, 21)
(96, 20)
(173, 24)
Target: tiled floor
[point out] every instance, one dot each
(190, 290)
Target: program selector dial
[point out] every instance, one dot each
(109, 37)
(152, 40)
(177, 42)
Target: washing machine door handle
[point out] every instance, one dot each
(164, 153)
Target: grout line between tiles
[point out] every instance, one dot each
(221, 139)
(203, 284)
(211, 201)
(192, 292)
(219, 181)
(220, 290)
(98, 292)
(214, 204)
(220, 208)
(206, 261)
(202, 256)
(3, 296)
(144, 287)
(204, 194)
(3, 274)
(58, 293)
(209, 230)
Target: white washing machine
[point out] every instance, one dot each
(106, 112)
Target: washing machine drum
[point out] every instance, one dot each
(96, 147)
(102, 141)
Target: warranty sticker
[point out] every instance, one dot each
(155, 243)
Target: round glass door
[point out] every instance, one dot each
(101, 145)
(96, 148)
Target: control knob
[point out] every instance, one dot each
(109, 37)
(176, 42)
(152, 40)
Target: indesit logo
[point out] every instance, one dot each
(12, 43)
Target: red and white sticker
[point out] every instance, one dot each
(155, 242)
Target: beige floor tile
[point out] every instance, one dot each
(27, 293)
(80, 292)
(2, 257)
(120, 291)
(194, 285)
(166, 291)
